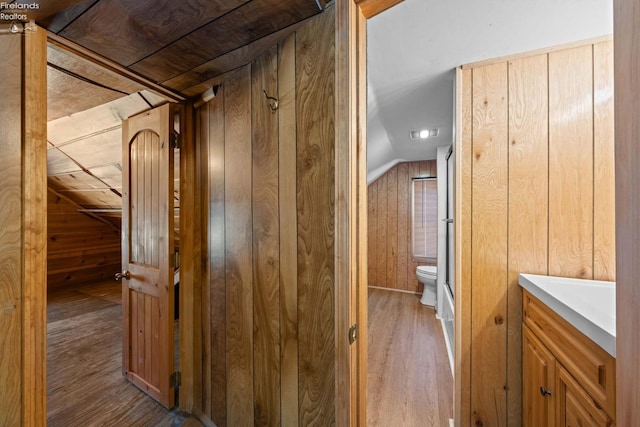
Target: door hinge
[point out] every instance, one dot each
(175, 380)
(353, 333)
(175, 260)
(175, 139)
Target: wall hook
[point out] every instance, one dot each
(273, 102)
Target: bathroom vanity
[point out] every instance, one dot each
(568, 352)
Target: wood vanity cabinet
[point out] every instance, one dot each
(567, 379)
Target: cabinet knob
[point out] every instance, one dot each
(545, 392)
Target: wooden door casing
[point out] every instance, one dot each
(147, 248)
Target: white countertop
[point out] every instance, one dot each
(589, 305)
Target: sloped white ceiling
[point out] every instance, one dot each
(414, 47)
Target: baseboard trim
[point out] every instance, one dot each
(394, 290)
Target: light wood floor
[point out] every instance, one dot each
(85, 386)
(409, 380)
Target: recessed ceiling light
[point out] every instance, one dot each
(423, 134)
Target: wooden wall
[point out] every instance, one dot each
(627, 130)
(22, 232)
(80, 248)
(390, 262)
(268, 341)
(537, 196)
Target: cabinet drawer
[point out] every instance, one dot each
(589, 364)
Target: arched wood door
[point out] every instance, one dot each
(147, 253)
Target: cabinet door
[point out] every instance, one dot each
(575, 407)
(538, 372)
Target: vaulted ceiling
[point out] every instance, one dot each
(414, 47)
(184, 47)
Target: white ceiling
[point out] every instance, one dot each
(414, 47)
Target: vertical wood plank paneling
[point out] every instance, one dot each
(269, 348)
(133, 330)
(381, 262)
(413, 284)
(372, 252)
(571, 163)
(217, 372)
(141, 215)
(193, 245)
(154, 339)
(404, 225)
(315, 109)
(266, 244)
(238, 248)
(626, 17)
(11, 234)
(288, 232)
(154, 214)
(140, 331)
(147, 337)
(149, 241)
(462, 224)
(203, 340)
(604, 229)
(390, 261)
(425, 169)
(489, 249)
(132, 222)
(392, 227)
(34, 320)
(528, 196)
(554, 177)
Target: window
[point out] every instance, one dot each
(424, 214)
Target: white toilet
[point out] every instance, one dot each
(427, 275)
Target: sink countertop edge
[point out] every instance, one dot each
(593, 330)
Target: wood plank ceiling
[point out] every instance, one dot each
(186, 46)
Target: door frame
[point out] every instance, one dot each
(189, 208)
(32, 371)
(351, 206)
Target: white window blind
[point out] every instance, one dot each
(424, 217)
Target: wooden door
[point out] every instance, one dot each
(538, 371)
(147, 253)
(575, 407)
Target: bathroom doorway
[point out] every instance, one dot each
(409, 374)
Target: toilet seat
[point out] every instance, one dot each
(427, 271)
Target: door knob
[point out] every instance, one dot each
(545, 392)
(125, 274)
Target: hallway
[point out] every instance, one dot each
(409, 381)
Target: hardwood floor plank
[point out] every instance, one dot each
(85, 386)
(409, 379)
